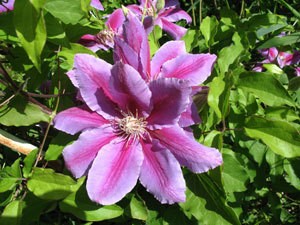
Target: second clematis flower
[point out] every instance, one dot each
(162, 13)
(130, 132)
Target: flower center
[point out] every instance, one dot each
(149, 11)
(105, 36)
(131, 126)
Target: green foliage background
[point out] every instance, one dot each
(251, 117)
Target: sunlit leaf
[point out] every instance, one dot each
(282, 137)
(47, 184)
(19, 112)
(80, 206)
(12, 214)
(266, 87)
(68, 11)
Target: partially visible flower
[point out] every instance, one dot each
(130, 131)
(105, 38)
(7, 5)
(284, 59)
(97, 4)
(162, 13)
(297, 71)
(274, 56)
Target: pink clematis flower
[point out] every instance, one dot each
(97, 4)
(130, 131)
(105, 38)
(152, 13)
(7, 5)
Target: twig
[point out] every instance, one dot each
(15, 143)
(50, 122)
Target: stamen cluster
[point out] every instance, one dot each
(130, 126)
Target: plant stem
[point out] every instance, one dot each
(193, 13)
(15, 143)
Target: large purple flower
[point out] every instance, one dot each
(6, 6)
(162, 13)
(130, 131)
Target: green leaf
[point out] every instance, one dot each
(48, 185)
(153, 38)
(209, 28)
(19, 112)
(28, 163)
(292, 168)
(294, 84)
(206, 202)
(282, 137)
(57, 145)
(218, 96)
(55, 31)
(80, 206)
(281, 41)
(10, 176)
(67, 54)
(68, 11)
(263, 24)
(266, 87)
(138, 209)
(30, 28)
(12, 214)
(230, 54)
(281, 113)
(234, 174)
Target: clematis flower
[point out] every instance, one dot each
(105, 38)
(162, 13)
(97, 4)
(129, 132)
(6, 6)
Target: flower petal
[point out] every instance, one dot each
(7, 6)
(97, 4)
(170, 98)
(172, 29)
(92, 75)
(133, 27)
(193, 67)
(175, 14)
(190, 116)
(90, 41)
(79, 155)
(76, 119)
(168, 51)
(115, 20)
(198, 158)
(161, 174)
(129, 90)
(114, 172)
(124, 53)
